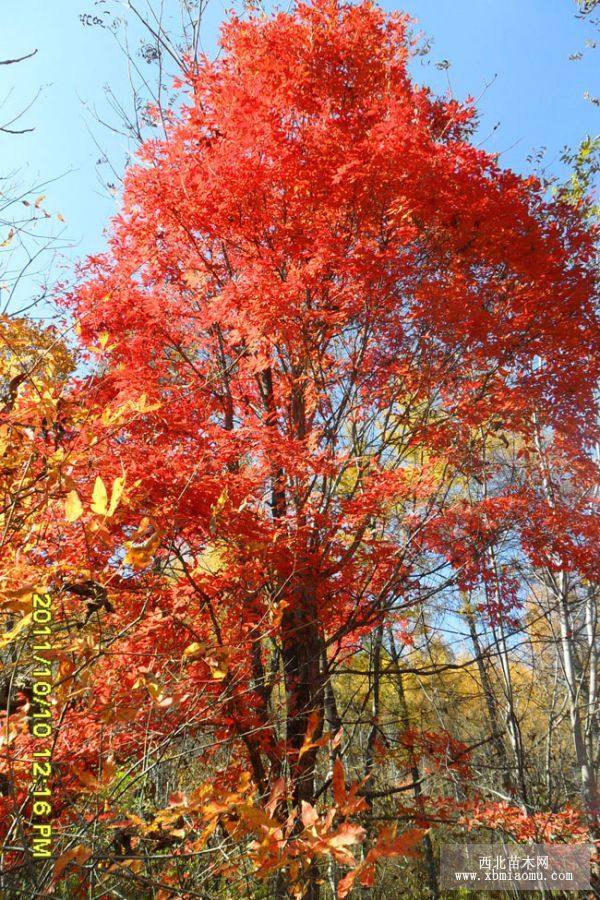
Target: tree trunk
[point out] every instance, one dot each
(513, 727)
(582, 741)
(490, 701)
(589, 787)
(301, 653)
(415, 774)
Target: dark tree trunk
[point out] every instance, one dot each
(301, 652)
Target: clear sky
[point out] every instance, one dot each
(511, 54)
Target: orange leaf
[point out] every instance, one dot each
(390, 844)
(79, 855)
(346, 883)
(277, 791)
(314, 722)
(346, 835)
(309, 815)
(338, 782)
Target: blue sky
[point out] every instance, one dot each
(519, 48)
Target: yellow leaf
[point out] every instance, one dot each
(140, 405)
(157, 694)
(110, 416)
(99, 497)
(218, 673)
(115, 496)
(39, 200)
(9, 636)
(211, 559)
(216, 509)
(221, 501)
(140, 552)
(218, 662)
(195, 650)
(194, 279)
(73, 506)
(60, 217)
(11, 235)
(19, 599)
(103, 338)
